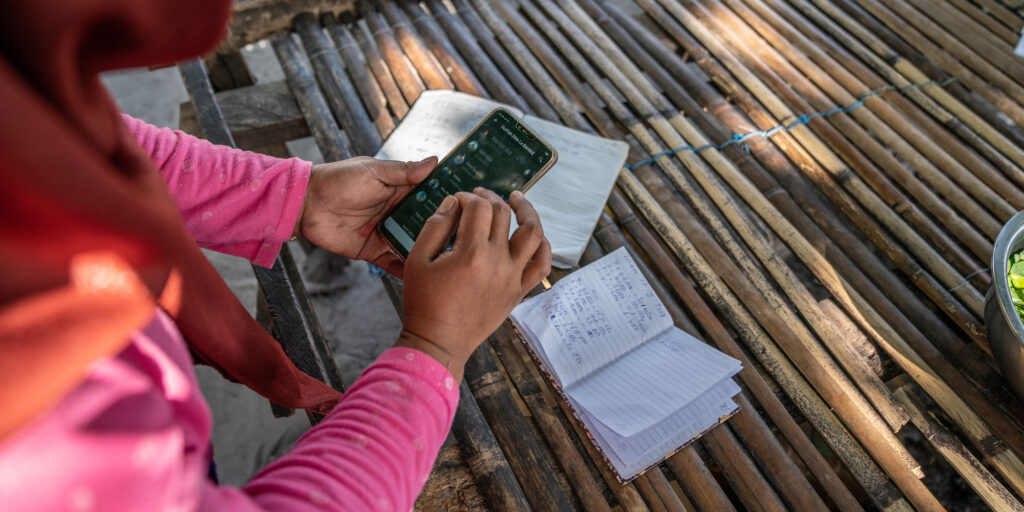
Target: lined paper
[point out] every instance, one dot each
(652, 382)
(594, 315)
(568, 199)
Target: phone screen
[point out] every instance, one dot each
(500, 154)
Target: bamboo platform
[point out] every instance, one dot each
(813, 187)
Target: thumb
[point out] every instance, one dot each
(396, 173)
(437, 230)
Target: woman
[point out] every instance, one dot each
(105, 294)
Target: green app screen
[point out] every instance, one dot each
(500, 155)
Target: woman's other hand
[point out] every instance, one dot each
(347, 199)
(454, 299)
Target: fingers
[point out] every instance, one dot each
(437, 230)
(396, 173)
(501, 215)
(475, 222)
(538, 268)
(530, 235)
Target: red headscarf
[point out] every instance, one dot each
(90, 240)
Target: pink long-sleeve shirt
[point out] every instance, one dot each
(135, 434)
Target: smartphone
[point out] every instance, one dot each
(500, 153)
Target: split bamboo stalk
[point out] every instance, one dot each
(529, 457)
(970, 30)
(335, 85)
(659, 493)
(443, 51)
(748, 482)
(860, 468)
(990, 22)
(401, 69)
(813, 359)
(585, 485)
(723, 448)
(921, 317)
(969, 171)
(381, 72)
(366, 87)
(312, 104)
(663, 497)
(495, 82)
(946, 443)
(1001, 456)
(501, 60)
(944, 107)
(809, 451)
(1002, 97)
(837, 167)
(434, 77)
(919, 68)
(813, 171)
(483, 454)
(767, 63)
(860, 465)
(997, 65)
(491, 471)
(791, 484)
(999, 11)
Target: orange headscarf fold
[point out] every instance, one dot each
(90, 239)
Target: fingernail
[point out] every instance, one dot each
(446, 205)
(425, 160)
(517, 194)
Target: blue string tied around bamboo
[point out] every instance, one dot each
(801, 119)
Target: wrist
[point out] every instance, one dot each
(454, 363)
(297, 231)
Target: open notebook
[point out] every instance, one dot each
(642, 387)
(569, 198)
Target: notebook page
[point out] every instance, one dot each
(575, 190)
(648, 384)
(593, 316)
(435, 124)
(627, 464)
(633, 447)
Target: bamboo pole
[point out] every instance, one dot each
(919, 68)
(750, 483)
(946, 274)
(379, 67)
(946, 443)
(495, 82)
(968, 171)
(813, 360)
(434, 77)
(553, 90)
(990, 22)
(398, 64)
(335, 85)
(501, 59)
(921, 318)
(1003, 94)
(969, 29)
(367, 89)
(450, 61)
(813, 171)
(934, 99)
(997, 65)
(1009, 465)
(777, 326)
(799, 90)
(311, 102)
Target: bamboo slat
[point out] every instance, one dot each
(811, 255)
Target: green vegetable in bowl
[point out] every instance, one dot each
(1016, 281)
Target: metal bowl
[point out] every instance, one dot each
(1005, 329)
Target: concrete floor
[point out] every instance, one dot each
(355, 313)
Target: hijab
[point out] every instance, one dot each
(91, 242)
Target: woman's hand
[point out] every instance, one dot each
(454, 299)
(347, 199)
